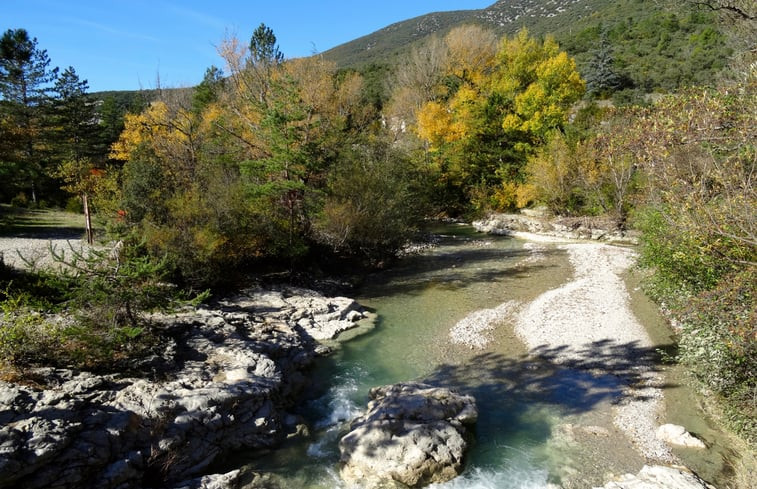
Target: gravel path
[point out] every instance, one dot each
(16, 252)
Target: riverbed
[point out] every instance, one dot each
(546, 418)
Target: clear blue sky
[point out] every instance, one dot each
(125, 44)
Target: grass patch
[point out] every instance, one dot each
(40, 223)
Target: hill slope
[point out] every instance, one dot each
(504, 16)
(654, 44)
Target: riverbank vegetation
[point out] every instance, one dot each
(274, 164)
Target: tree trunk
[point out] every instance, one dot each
(88, 220)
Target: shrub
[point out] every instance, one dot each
(373, 206)
(101, 300)
(20, 200)
(74, 205)
(719, 344)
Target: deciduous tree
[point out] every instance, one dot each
(495, 111)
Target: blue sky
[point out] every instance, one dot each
(125, 45)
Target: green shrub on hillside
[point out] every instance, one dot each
(717, 342)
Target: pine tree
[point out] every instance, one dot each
(264, 57)
(601, 77)
(75, 119)
(25, 78)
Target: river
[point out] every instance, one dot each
(539, 424)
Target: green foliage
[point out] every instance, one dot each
(717, 342)
(101, 298)
(677, 257)
(24, 335)
(25, 77)
(374, 202)
(74, 115)
(651, 50)
(143, 187)
(73, 205)
(263, 47)
(600, 74)
(208, 90)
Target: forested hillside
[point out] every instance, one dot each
(648, 45)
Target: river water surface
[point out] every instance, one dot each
(539, 423)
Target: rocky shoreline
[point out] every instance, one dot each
(236, 369)
(538, 222)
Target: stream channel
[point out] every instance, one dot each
(539, 423)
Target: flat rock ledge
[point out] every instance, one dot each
(321, 318)
(226, 380)
(659, 477)
(412, 433)
(565, 228)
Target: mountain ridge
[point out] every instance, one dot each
(504, 16)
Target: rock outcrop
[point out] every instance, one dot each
(226, 382)
(659, 477)
(322, 318)
(412, 433)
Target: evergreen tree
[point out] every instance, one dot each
(207, 91)
(264, 57)
(75, 119)
(25, 77)
(263, 47)
(601, 77)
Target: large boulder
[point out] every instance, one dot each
(659, 477)
(412, 433)
(677, 435)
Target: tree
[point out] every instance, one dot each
(374, 202)
(601, 76)
(417, 81)
(25, 77)
(264, 57)
(495, 113)
(209, 89)
(75, 120)
(699, 155)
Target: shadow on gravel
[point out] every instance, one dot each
(42, 232)
(604, 370)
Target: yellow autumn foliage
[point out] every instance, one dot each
(434, 121)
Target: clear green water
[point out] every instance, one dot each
(526, 436)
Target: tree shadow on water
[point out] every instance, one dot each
(515, 395)
(456, 269)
